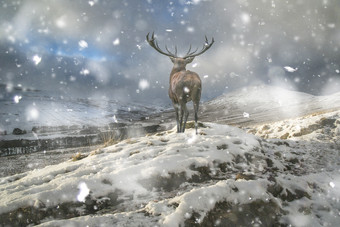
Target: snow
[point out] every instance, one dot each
(245, 18)
(143, 84)
(290, 69)
(314, 127)
(84, 191)
(83, 44)
(17, 98)
(85, 72)
(116, 42)
(172, 179)
(246, 115)
(186, 90)
(36, 59)
(265, 104)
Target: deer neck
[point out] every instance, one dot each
(177, 69)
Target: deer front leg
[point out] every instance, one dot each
(196, 111)
(181, 118)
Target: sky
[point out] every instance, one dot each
(97, 48)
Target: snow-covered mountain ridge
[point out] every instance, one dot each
(221, 177)
(265, 104)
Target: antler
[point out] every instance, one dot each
(153, 43)
(206, 46)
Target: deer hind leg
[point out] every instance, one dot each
(176, 107)
(196, 105)
(186, 114)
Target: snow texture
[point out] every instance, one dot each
(223, 176)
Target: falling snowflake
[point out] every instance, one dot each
(61, 22)
(85, 72)
(233, 75)
(186, 90)
(83, 44)
(36, 59)
(17, 98)
(32, 114)
(245, 18)
(290, 69)
(115, 119)
(143, 84)
(116, 42)
(190, 29)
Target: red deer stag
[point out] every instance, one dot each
(185, 85)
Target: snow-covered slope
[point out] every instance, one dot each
(265, 104)
(314, 127)
(222, 177)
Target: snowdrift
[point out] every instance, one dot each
(223, 176)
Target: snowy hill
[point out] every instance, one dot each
(221, 177)
(263, 104)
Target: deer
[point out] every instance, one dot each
(184, 85)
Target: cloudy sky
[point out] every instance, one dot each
(97, 47)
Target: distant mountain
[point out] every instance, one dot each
(263, 103)
(28, 108)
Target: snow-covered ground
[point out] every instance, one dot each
(222, 177)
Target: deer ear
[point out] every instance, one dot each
(189, 60)
(172, 59)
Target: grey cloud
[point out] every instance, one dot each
(254, 41)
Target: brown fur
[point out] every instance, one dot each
(185, 86)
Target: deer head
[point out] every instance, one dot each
(179, 62)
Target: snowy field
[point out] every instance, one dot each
(222, 177)
(88, 134)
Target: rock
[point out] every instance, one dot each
(242, 176)
(284, 136)
(18, 131)
(326, 122)
(35, 129)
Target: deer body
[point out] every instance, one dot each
(184, 85)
